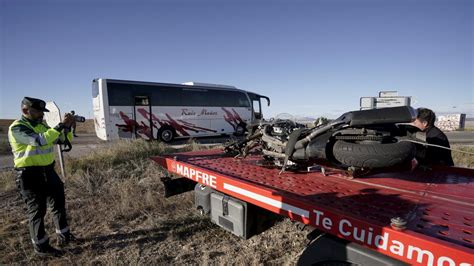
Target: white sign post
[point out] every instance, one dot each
(53, 118)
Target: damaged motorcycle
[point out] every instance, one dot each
(365, 139)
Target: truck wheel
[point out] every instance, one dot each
(166, 134)
(373, 155)
(240, 129)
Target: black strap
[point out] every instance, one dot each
(67, 144)
(225, 205)
(290, 146)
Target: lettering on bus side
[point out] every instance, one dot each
(186, 111)
(206, 112)
(203, 112)
(196, 175)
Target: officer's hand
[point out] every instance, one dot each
(68, 119)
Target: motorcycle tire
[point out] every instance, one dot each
(373, 155)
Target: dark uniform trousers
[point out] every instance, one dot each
(41, 186)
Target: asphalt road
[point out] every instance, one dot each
(461, 137)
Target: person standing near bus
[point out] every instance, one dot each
(32, 142)
(73, 125)
(430, 155)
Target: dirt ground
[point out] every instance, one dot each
(170, 234)
(127, 220)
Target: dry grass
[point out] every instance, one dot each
(462, 159)
(86, 127)
(4, 146)
(115, 203)
(7, 181)
(5, 123)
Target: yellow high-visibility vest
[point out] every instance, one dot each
(33, 149)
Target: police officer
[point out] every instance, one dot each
(430, 155)
(32, 142)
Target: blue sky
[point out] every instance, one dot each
(312, 58)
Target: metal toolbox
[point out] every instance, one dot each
(230, 214)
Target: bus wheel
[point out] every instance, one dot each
(166, 134)
(240, 129)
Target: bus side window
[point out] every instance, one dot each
(194, 97)
(166, 96)
(228, 99)
(257, 109)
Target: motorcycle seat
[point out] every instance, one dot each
(391, 115)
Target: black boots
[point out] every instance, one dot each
(45, 250)
(66, 238)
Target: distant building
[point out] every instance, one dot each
(451, 122)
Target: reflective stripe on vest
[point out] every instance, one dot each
(36, 151)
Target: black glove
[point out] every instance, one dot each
(61, 126)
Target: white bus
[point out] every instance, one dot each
(164, 111)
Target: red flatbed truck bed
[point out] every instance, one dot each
(438, 205)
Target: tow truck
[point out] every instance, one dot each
(417, 217)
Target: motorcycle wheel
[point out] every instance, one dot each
(373, 155)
